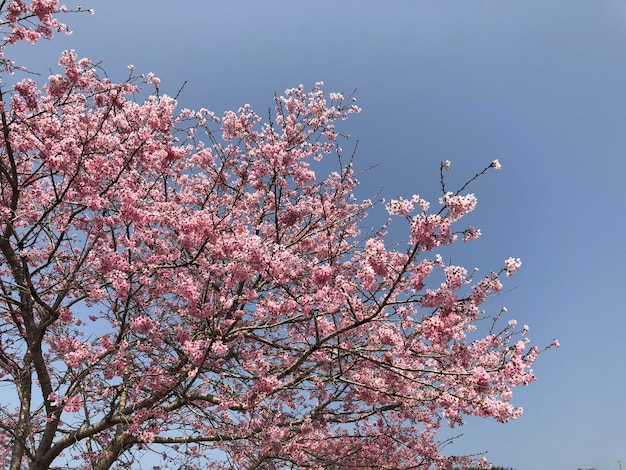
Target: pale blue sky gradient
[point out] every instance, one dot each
(539, 84)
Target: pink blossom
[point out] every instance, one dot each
(142, 324)
(511, 265)
(73, 404)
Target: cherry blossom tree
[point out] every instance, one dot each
(186, 286)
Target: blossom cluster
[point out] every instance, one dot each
(173, 278)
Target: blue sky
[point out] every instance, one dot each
(538, 84)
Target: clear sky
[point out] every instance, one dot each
(539, 84)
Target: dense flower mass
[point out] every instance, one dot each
(188, 286)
